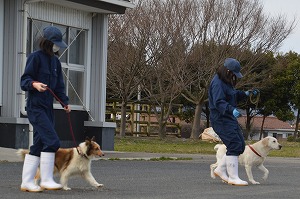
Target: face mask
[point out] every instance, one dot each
(55, 48)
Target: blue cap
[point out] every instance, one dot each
(234, 66)
(54, 35)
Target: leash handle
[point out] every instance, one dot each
(255, 100)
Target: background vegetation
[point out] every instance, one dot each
(189, 146)
(167, 51)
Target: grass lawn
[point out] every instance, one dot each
(179, 145)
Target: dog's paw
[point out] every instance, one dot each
(254, 182)
(212, 175)
(265, 177)
(66, 188)
(99, 185)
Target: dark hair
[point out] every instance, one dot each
(226, 75)
(47, 46)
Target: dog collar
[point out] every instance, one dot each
(252, 149)
(80, 153)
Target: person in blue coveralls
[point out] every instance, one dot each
(223, 100)
(42, 72)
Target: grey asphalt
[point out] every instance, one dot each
(135, 176)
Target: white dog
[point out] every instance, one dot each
(254, 155)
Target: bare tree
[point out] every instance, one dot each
(169, 74)
(129, 54)
(184, 41)
(231, 28)
(149, 44)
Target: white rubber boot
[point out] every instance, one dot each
(47, 168)
(233, 171)
(30, 166)
(221, 169)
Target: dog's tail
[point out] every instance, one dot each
(22, 152)
(217, 147)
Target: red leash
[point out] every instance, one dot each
(68, 114)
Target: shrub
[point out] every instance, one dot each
(290, 138)
(186, 130)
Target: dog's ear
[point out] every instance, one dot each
(93, 138)
(265, 141)
(87, 140)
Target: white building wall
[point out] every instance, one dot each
(98, 69)
(12, 32)
(60, 15)
(279, 134)
(1, 46)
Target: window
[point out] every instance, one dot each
(73, 59)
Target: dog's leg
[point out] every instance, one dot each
(212, 168)
(265, 170)
(37, 176)
(248, 169)
(64, 176)
(89, 177)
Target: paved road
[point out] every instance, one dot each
(139, 179)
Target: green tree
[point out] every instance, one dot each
(290, 83)
(278, 96)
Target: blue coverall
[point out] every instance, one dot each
(223, 99)
(42, 67)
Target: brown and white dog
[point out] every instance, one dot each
(74, 161)
(254, 155)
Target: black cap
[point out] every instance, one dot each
(54, 35)
(234, 66)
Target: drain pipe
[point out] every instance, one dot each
(23, 64)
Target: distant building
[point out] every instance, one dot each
(272, 127)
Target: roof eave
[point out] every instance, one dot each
(96, 6)
(126, 4)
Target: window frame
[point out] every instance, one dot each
(67, 66)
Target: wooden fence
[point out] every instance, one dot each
(140, 119)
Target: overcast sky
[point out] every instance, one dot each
(290, 9)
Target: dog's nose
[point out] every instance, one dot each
(280, 146)
(101, 154)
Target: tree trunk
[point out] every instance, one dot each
(248, 125)
(162, 129)
(297, 125)
(123, 119)
(161, 122)
(196, 124)
(262, 127)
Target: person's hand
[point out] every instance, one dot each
(236, 113)
(39, 86)
(67, 109)
(255, 92)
